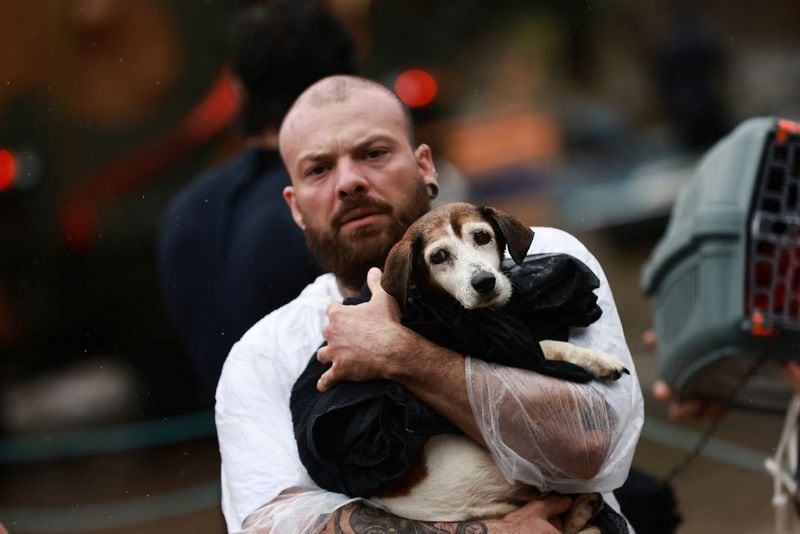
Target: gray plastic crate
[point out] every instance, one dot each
(724, 281)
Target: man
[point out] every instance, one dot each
(357, 182)
(228, 250)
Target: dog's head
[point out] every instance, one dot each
(457, 248)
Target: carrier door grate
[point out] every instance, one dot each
(773, 263)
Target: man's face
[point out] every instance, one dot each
(357, 184)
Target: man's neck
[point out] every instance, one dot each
(347, 291)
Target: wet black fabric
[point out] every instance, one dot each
(363, 437)
(609, 521)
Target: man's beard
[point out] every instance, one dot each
(350, 257)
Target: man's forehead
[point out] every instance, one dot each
(312, 127)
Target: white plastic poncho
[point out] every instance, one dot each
(540, 430)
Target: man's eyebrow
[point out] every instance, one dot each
(313, 156)
(320, 155)
(361, 145)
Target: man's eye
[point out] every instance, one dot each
(440, 256)
(318, 170)
(376, 153)
(482, 237)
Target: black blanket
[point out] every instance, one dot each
(362, 437)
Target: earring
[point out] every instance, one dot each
(432, 189)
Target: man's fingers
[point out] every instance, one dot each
(333, 306)
(374, 281)
(649, 338)
(662, 391)
(323, 356)
(326, 381)
(556, 504)
(542, 508)
(679, 410)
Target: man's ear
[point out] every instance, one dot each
(291, 200)
(425, 164)
(517, 236)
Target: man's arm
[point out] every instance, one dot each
(384, 348)
(536, 517)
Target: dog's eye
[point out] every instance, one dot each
(440, 256)
(482, 237)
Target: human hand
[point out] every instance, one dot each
(679, 409)
(364, 340)
(536, 517)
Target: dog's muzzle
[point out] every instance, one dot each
(483, 282)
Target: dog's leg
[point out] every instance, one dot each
(584, 508)
(596, 363)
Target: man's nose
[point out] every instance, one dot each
(351, 179)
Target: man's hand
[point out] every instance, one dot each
(536, 517)
(679, 409)
(366, 340)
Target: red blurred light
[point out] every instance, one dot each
(8, 168)
(415, 87)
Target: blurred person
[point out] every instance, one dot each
(688, 65)
(357, 183)
(229, 251)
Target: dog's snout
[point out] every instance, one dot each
(483, 282)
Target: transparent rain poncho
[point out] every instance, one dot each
(544, 431)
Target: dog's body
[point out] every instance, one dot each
(458, 249)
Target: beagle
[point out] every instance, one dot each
(458, 249)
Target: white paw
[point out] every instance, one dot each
(598, 364)
(602, 366)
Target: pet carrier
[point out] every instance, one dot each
(724, 280)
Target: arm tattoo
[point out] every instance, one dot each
(369, 520)
(336, 521)
(472, 527)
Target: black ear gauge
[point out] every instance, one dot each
(432, 189)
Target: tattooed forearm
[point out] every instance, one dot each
(472, 527)
(336, 521)
(375, 521)
(363, 519)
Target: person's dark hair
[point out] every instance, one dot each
(280, 47)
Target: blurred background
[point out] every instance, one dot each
(586, 115)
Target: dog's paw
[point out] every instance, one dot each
(602, 366)
(598, 364)
(584, 508)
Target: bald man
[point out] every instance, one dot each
(357, 182)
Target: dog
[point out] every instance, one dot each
(457, 250)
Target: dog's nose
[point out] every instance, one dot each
(483, 282)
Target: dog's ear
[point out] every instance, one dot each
(397, 270)
(517, 236)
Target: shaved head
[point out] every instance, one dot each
(341, 88)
